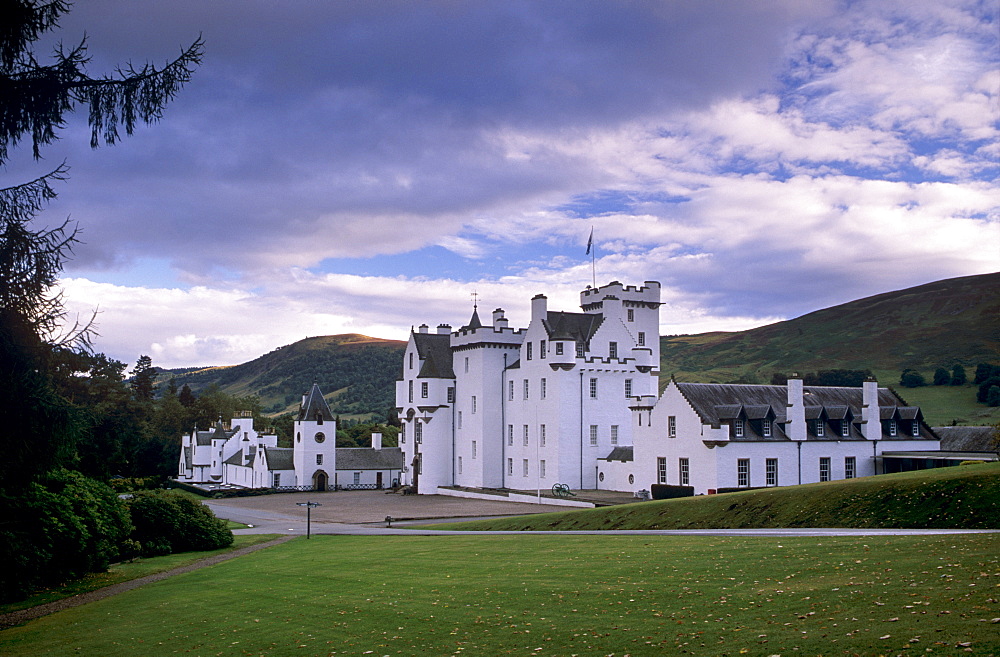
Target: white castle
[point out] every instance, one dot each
(573, 400)
(497, 407)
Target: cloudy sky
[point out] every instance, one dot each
(361, 166)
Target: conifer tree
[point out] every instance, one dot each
(35, 98)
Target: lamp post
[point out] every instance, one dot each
(309, 507)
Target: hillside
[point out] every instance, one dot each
(935, 325)
(356, 372)
(963, 497)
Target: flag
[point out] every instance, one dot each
(590, 241)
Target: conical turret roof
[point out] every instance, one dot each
(315, 407)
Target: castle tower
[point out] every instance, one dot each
(315, 443)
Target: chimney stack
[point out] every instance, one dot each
(376, 440)
(871, 416)
(795, 428)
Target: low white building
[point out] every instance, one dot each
(238, 455)
(716, 437)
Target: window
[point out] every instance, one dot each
(460, 419)
(915, 429)
(459, 465)
(850, 467)
(738, 427)
(411, 360)
(743, 473)
(357, 478)
(541, 435)
(672, 426)
(628, 387)
(511, 395)
(510, 434)
(319, 459)
(541, 349)
(631, 314)
(765, 427)
(541, 468)
(525, 467)
(892, 427)
(525, 439)
(683, 471)
(820, 429)
(423, 389)
(559, 349)
(593, 434)
(276, 481)
(402, 434)
(845, 428)
(527, 351)
(661, 470)
(420, 465)
(593, 388)
(466, 364)
(451, 395)
(525, 388)
(542, 389)
(613, 350)
(475, 449)
(418, 433)
(824, 468)
(772, 472)
(410, 387)
(642, 339)
(473, 404)
(510, 466)
(580, 348)
(614, 434)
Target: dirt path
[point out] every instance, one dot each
(25, 615)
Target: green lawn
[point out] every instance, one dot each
(123, 572)
(554, 595)
(961, 497)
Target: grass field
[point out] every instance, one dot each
(129, 570)
(554, 595)
(963, 497)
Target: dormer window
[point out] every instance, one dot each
(765, 428)
(738, 427)
(892, 427)
(915, 430)
(820, 429)
(845, 428)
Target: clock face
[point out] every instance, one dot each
(320, 437)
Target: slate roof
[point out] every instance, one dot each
(620, 453)
(367, 458)
(966, 439)
(237, 457)
(475, 322)
(719, 403)
(434, 350)
(579, 327)
(279, 458)
(315, 407)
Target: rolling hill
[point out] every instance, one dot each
(356, 372)
(940, 324)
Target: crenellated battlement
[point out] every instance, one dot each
(648, 293)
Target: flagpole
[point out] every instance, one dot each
(593, 256)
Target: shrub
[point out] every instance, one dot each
(912, 379)
(167, 522)
(941, 377)
(668, 492)
(63, 526)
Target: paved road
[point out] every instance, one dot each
(364, 512)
